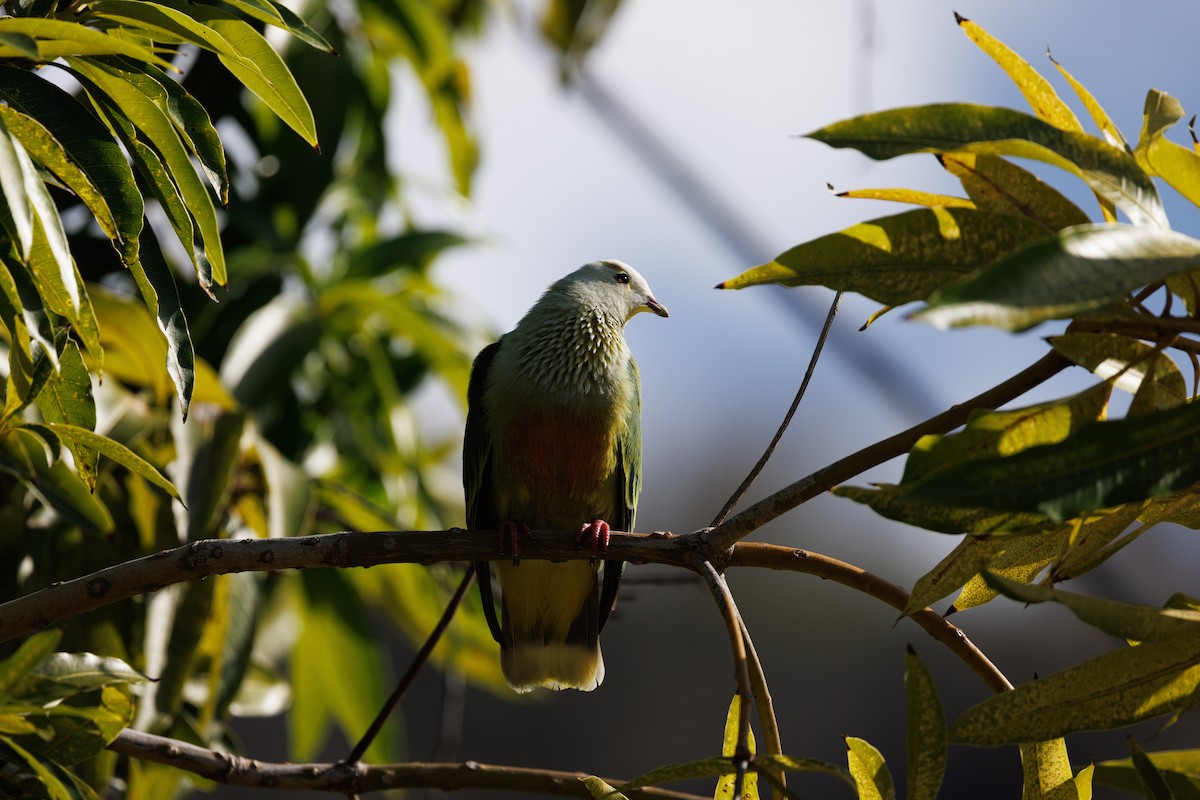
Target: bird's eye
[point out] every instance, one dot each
(622, 277)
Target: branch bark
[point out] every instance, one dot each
(724, 536)
(348, 778)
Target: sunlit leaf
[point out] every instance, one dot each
(1037, 91)
(726, 784)
(1111, 691)
(58, 38)
(279, 15)
(1179, 768)
(1177, 165)
(910, 196)
(1102, 465)
(871, 776)
(1022, 559)
(1107, 127)
(1046, 769)
(601, 790)
(1110, 172)
(898, 259)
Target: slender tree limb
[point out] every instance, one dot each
(206, 557)
(773, 745)
(419, 660)
(741, 671)
(740, 492)
(772, 556)
(724, 536)
(348, 778)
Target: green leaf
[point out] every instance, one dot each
(117, 452)
(1152, 780)
(1102, 465)
(196, 130)
(260, 69)
(898, 259)
(1107, 127)
(212, 446)
(686, 771)
(12, 183)
(726, 784)
(279, 15)
(1141, 623)
(601, 790)
(143, 101)
(157, 284)
(1084, 269)
(1110, 172)
(1037, 91)
(415, 250)
(1022, 559)
(871, 776)
(1111, 691)
(1092, 540)
(1179, 166)
(88, 144)
(1046, 768)
(67, 398)
(59, 487)
(895, 503)
(995, 184)
(1179, 768)
(58, 39)
(1133, 366)
(910, 196)
(926, 738)
(48, 782)
(60, 675)
(31, 653)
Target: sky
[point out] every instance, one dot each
(728, 94)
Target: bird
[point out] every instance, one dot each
(553, 441)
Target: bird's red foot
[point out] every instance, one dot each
(597, 533)
(511, 534)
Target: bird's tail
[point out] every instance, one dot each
(551, 626)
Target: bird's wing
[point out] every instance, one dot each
(477, 476)
(629, 478)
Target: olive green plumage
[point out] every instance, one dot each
(554, 442)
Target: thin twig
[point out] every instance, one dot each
(773, 556)
(740, 492)
(725, 535)
(762, 702)
(345, 778)
(419, 660)
(741, 671)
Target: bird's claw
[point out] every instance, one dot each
(511, 534)
(597, 533)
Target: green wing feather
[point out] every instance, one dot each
(477, 481)
(629, 463)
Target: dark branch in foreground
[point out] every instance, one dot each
(206, 557)
(356, 778)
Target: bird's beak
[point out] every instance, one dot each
(657, 307)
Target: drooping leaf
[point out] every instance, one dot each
(1114, 690)
(25, 455)
(1084, 269)
(898, 259)
(1022, 559)
(926, 738)
(871, 776)
(1141, 623)
(1110, 172)
(1153, 783)
(59, 38)
(67, 398)
(1179, 768)
(279, 15)
(88, 145)
(46, 780)
(116, 451)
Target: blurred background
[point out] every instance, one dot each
(678, 149)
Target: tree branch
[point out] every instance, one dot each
(724, 536)
(773, 556)
(346, 778)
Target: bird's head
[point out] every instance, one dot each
(612, 286)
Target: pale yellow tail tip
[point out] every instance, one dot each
(528, 665)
